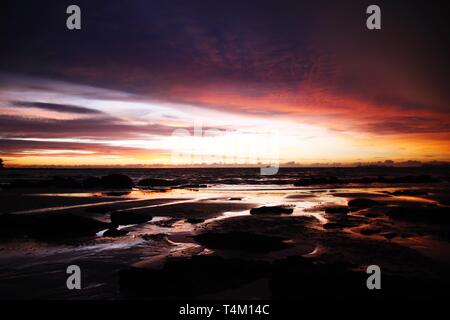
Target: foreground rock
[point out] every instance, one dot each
(290, 278)
(428, 215)
(112, 181)
(195, 220)
(241, 241)
(156, 237)
(114, 233)
(361, 203)
(410, 192)
(116, 181)
(337, 210)
(190, 277)
(272, 210)
(49, 226)
(302, 228)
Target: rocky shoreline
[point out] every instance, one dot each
(209, 241)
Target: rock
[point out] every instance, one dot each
(406, 235)
(424, 214)
(187, 278)
(113, 233)
(409, 192)
(165, 223)
(66, 225)
(361, 203)
(304, 229)
(344, 222)
(241, 241)
(336, 225)
(91, 182)
(308, 195)
(15, 225)
(156, 237)
(372, 214)
(65, 183)
(390, 235)
(116, 181)
(272, 210)
(337, 210)
(129, 217)
(154, 182)
(49, 226)
(369, 231)
(195, 220)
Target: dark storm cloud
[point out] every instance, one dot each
(407, 125)
(55, 107)
(300, 53)
(98, 128)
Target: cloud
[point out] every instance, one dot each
(295, 61)
(98, 128)
(55, 107)
(408, 125)
(26, 148)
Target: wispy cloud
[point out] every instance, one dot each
(55, 107)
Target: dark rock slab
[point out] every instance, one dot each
(241, 241)
(190, 277)
(370, 231)
(155, 237)
(344, 222)
(49, 226)
(114, 233)
(272, 210)
(421, 214)
(409, 192)
(195, 220)
(361, 203)
(116, 181)
(91, 182)
(337, 210)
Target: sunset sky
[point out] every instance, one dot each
(308, 73)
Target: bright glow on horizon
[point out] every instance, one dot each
(113, 128)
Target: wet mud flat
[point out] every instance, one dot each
(226, 241)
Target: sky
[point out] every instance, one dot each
(202, 82)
